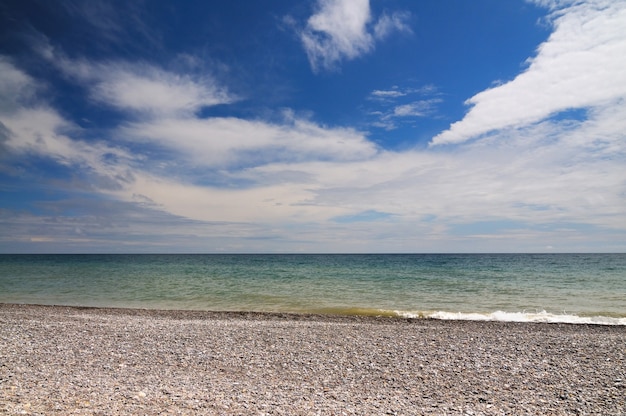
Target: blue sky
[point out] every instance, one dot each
(313, 126)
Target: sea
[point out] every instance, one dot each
(568, 288)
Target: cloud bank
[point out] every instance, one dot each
(167, 178)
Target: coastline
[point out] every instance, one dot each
(83, 360)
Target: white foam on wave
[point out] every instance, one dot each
(539, 316)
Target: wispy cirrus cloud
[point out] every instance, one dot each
(17, 88)
(161, 108)
(223, 142)
(581, 65)
(150, 90)
(343, 29)
(219, 145)
(145, 89)
(397, 105)
(562, 191)
(395, 92)
(390, 23)
(168, 178)
(421, 108)
(110, 24)
(34, 129)
(387, 94)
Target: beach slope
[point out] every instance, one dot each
(83, 361)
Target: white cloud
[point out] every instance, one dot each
(397, 105)
(40, 131)
(33, 128)
(262, 204)
(336, 31)
(141, 88)
(525, 179)
(149, 90)
(227, 142)
(546, 178)
(16, 87)
(102, 15)
(30, 123)
(209, 143)
(420, 108)
(339, 30)
(387, 94)
(223, 142)
(581, 65)
(113, 22)
(387, 24)
(396, 92)
(555, 4)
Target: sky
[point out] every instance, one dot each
(318, 126)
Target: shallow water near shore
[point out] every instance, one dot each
(574, 288)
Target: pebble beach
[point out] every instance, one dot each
(95, 361)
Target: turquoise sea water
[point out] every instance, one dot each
(577, 288)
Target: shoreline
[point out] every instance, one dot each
(89, 360)
(365, 313)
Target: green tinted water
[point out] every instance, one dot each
(477, 286)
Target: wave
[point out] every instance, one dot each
(501, 316)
